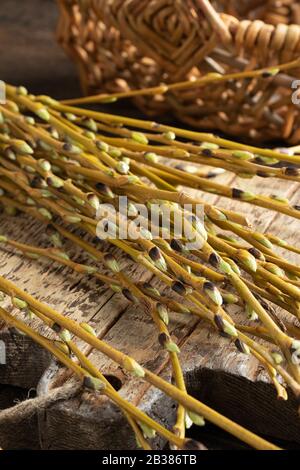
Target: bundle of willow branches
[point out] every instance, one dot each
(58, 163)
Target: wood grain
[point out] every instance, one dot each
(234, 384)
(229, 381)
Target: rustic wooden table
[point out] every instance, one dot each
(232, 383)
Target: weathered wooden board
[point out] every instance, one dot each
(215, 372)
(232, 383)
(237, 385)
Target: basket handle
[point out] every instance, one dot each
(214, 20)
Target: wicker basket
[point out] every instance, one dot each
(270, 11)
(128, 44)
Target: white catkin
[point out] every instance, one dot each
(28, 408)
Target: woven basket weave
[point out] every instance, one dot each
(121, 45)
(270, 11)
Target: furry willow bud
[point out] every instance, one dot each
(44, 165)
(72, 219)
(133, 367)
(43, 114)
(93, 201)
(271, 72)
(63, 347)
(233, 265)
(224, 326)
(257, 254)
(295, 352)
(45, 213)
(251, 314)
(277, 357)
(211, 290)
(263, 240)
(90, 124)
(116, 288)
(61, 254)
(31, 202)
(115, 152)
(242, 347)
(44, 145)
(10, 154)
(65, 336)
(198, 226)
(105, 190)
(247, 259)
(177, 245)
(151, 290)
(163, 313)
(111, 263)
(31, 255)
(272, 268)
(151, 157)
(21, 90)
(56, 240)
(19, 303)
(148, 432)
(90, 269)
(88, 328)
(70, 148)
(22, 147)
(94, 384)
(168, 344)
(224, 267)
(229, 329)
(242, 195)
(157, 258)
(209, 146)
(196, 419)
(188, 422)
(55, 182)
(139, 137)
(132, 210)
(129, 296)
(242, 155)
(295, 344)
(170, 135)
(229, 298)
(181, 289)
(102, 146)
(123, 168)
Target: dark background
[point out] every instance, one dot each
(29, 53)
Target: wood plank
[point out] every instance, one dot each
(83, 299)
(80, 298)
(76, 305)
(214, 370)
(204, 355)
(104, 310)
(95, 417)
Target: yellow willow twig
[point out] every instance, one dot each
(162, 89)
(132, 366)
(82, 373)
